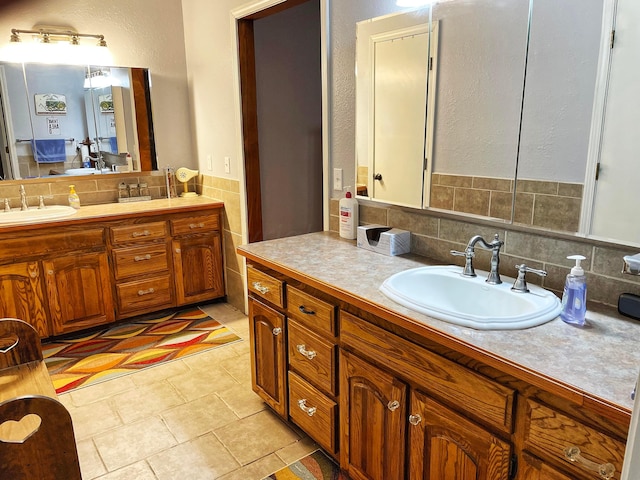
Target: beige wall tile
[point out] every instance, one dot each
(537, 186)
(524, 208)
(413, 222)
(570, 190)
(232, 260)
(500, 205)
(461, 232)
(608, 261)
(441, 197)
(557, 213)
(372, 215)
(455, 180)
(235, 289)
(545, 249)
(497, 184)
(471, 201)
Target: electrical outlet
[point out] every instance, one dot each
(337, 179)
(209, 162)
(227, 165)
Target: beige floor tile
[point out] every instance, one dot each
(223, 312)
(198, 417)
(201, 382)
(159, 372)
(91, 465)
(101, 391)
(133, 442)
(257, 470)
(94, 418)
(295, 451)
(242, 400)
(137, 471)
(146, 400)
(66, 400)
(238, 367)
(242, 348)
(209, 358)
(256, 436)
(203, 458)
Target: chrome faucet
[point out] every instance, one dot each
(520, 285)
(23, 199)
(469, 253)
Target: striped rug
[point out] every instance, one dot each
(316, 466)
(143, 342)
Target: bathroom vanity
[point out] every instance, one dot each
(395, 394)
(109, 262)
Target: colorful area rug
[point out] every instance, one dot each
(316, 466)
(125, 348)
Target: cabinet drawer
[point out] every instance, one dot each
(140, 260)
(138, 233)
(144, 294)
(312, 312)
(313, 412)
(265, 286)
(549, 433)
(312, 357)
(480, 397)
(195, 224)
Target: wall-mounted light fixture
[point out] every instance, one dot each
(56, 45)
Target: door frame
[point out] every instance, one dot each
(251, 200)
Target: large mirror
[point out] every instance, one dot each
(74, 120)
(513, 88)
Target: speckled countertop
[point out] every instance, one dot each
(111, 210)
(600, 361)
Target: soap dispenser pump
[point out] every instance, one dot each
(74, 199)
(574, 297)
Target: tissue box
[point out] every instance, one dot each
(385, 240)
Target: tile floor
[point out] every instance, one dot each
(190, 419)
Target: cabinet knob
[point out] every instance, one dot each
(144, 233)
(196, 225)
(260, 288)
(393, 405)
(302, 403)
(415, 419)
(140, 258)
(310, 354)
(605, 470)
(276, 331)
(146, 292)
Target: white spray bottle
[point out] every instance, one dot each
(348, 216)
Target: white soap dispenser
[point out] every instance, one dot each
(574, 297)
(348, 216)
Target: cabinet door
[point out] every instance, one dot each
(532, 468)
(268, 355)
(22, 297)
(79, 291)
(372, 421)
(197, 263)
(444, 444)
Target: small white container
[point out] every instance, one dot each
(348, 217)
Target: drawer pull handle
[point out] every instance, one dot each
(260, 288)
(393, 405)
(302, 403)
(146, 292)
(415, 419)
(276, 331)
(140, 258)
(196, 225)
(310, 354)
(605, 470)
(144, 233)
(305, 311)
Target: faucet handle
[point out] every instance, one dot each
(467, 254)
(520, 285)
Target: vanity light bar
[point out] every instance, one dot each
(49, 34)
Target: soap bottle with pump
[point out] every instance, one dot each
(348, 216)
(74, 199)
(574, 297)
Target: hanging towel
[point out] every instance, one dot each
(113, 143)
(49, 150)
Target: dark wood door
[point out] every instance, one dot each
(22, 297)
(268, 355)
(372, 421)
(444, 444)
(198, 268)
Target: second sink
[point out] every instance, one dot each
(443, 293)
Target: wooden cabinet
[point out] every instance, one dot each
(373, 412)
(73, 275)
(22, 295)
(532, 468)
(78, 291)
(268, 355)
(444, 444)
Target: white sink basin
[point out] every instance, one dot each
(85, 171)
(442, 292)
(34, 215)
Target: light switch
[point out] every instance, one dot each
(227, 165)
(337, 179)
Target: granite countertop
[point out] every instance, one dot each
(111, 210)
(599, 361)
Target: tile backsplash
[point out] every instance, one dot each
(434, 236)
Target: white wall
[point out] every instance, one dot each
(139, 33)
